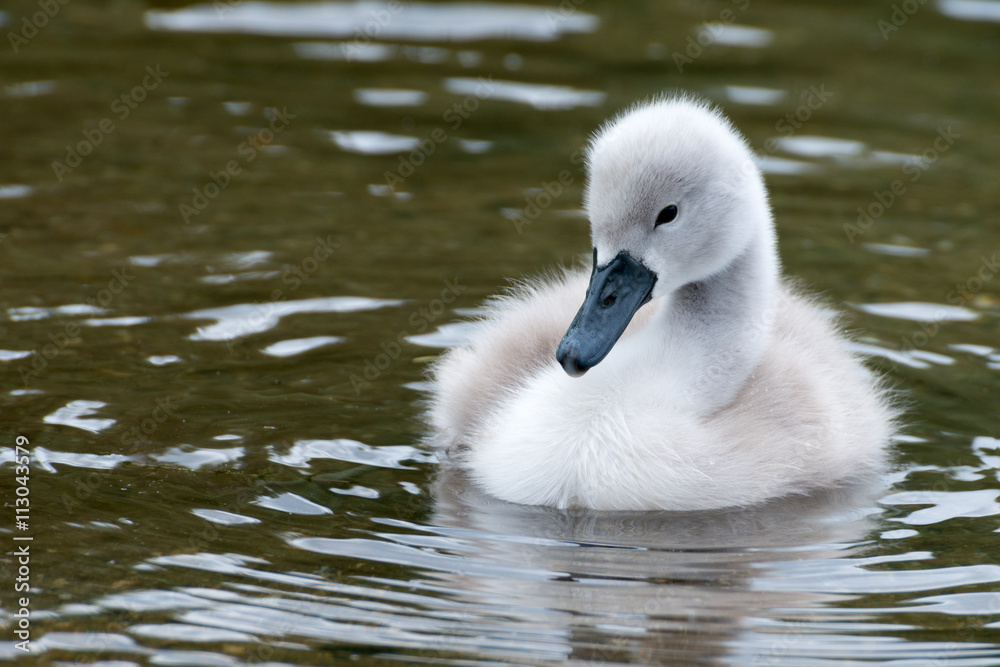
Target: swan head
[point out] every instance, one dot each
(674, 196)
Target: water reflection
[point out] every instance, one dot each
(920, 312)
(15, 191)
(77, 414)
(389, 97)
(373, 142)
(540, 96)
(245, 319)
(754, 95)
(645, 587)
(289, 348)
(30, 89)
(455, 21)
(740, 35)
(970, 10)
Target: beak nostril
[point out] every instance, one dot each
(613, 296)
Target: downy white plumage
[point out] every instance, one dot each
(692, 377)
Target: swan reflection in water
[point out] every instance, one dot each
(648, 586)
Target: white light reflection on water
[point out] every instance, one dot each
(895, 250)
(753, 95)
(373, 143)
(389, 97)
(300, 454)
(907, 357)
(540, 96)
(224, 518)
(22, 313)
(77, 413)
(195, 458)
(289, 348)
(447, 21)
(292, 503)
(246, 319)
(970, 10)
(15, 191)
(917, 311)
(740, 35)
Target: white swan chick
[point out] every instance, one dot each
(691, 377)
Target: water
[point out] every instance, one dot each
(217, 312)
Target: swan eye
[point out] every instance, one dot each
(668, 214)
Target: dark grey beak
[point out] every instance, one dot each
(615, 293)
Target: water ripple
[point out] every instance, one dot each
(195, 458)
(946, 505)
(290, 348)
(302, 452)
(849, 578)
(540, 96)
(755, 96)
(74, 413)
(246, 319)
(389, 97)
(373, 143)
(224, 518)
(917, 311)
(970, 10)
(15, 191)
(292, 504)
(45, 458)
(450, 21)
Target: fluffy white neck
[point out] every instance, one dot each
(718, 327)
